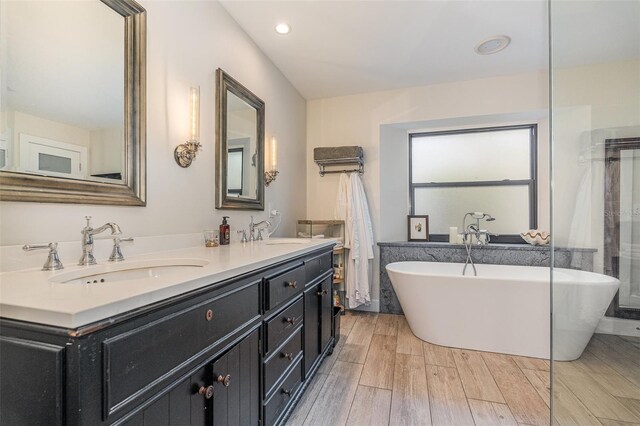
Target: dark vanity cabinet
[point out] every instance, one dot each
(232, 353)
(318, 308)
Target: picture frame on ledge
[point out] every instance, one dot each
(418, 228)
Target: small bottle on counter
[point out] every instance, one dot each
(225, 232)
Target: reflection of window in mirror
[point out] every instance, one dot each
(235, 158)
(454, 172)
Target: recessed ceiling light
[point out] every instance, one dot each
(283, 28)
(492, 45)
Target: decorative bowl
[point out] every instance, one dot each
(536, 237)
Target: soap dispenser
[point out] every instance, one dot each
(225, 231)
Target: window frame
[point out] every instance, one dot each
(531, 182)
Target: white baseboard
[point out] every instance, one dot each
(619, 326)
(373, 307)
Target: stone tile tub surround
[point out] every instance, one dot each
(497, 254)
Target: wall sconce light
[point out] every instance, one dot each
(272, 168)
(185, 153)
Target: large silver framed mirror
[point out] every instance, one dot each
(239, 146)
(72, 120)
(622, 223)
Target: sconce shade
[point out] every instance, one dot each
(274, 154)
(185, 153)
(272, 169)
(195, 113)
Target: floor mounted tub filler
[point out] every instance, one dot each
(504, 308)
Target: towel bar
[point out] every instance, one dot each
(339, 156)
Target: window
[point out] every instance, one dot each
(492, 170)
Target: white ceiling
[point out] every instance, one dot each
(345, 47)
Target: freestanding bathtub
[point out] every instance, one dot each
(504, 309)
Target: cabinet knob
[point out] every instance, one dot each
(208, 315)
(207, 392)
(288, 356)
(290, 320)
(287, 392)
(225, 380)
(322, 293)
(292, 284)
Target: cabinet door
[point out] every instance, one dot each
(185, 404)
(203, 400)
(31, 388)
(236, 384)
(311, 327)
(326, 312)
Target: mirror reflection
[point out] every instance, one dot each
(239, 146)
(242, 138)
(63, 111)
(629, 224)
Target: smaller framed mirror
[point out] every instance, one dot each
(239, 146)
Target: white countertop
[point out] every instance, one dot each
(29, 295)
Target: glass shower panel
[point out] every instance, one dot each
(595, 134)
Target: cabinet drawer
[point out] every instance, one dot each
(140, 358)
(317, 266)
(284, 286)
(281, 359)
(281, 398)
(282, 325)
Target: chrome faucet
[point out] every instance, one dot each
(87, 240)
(473, 230)
(254, 226)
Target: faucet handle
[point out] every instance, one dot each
(244, 236)
(259, 237)
(116, 252)
(88, 219)
(53, 262)
(31, 247)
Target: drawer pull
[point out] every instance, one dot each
(290, 320)
(287, 392)
(209, 315)
(225, 380)
(288, 356)
(322, 293)
(207, 392)
(292, 284)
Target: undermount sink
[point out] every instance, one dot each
(280, 241)
(144, 269)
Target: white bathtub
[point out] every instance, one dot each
(504, 309)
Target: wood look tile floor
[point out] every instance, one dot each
(381, 374)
